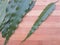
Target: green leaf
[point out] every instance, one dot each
(15, 12)
(43, 16)
(3, 5)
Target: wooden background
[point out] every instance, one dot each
(47, 34)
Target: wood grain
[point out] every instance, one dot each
(47, 34)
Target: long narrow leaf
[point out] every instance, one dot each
(43, 16)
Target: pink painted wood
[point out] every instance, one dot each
(47, 34)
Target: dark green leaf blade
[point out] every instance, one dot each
(43, 16)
